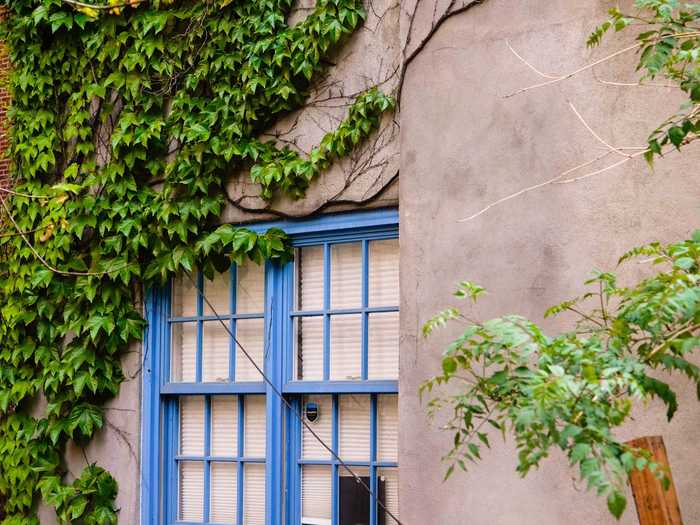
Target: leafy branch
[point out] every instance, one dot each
(572, 391)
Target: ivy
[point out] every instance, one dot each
(128, 120)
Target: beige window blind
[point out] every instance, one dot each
(224, 426)
(316, 495)
(222, 493)
(353, 428)
(254, 494)
(191, 501)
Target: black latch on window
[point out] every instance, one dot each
(311, 412)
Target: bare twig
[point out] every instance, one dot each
(102, 7)
(534, 187)
(41, 259)
(598, 137)
(543, 75)
(554, 79)
(633, 84)
(602, 170)
(27, 195)
(573, 73)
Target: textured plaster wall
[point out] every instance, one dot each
(464, 146)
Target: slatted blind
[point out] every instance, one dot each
(251, 335)
(384, 273)
(309, 276)
(184, 352)
(387, 428)
(346, 347)
(224, 426)
(250, 288)
(354, 427)
(391, 492)
(255, 427)
(192, 425)
(184, 296)
(309, 348)
(215, 352)
(346, 275)
(383, 346)
(191, 482)
(218, 293)
(223, 493)
(254, 494)
(323, 426)
(316, 495)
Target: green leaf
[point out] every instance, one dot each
(676, 135)
(616, 503)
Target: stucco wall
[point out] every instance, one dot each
(464, 146)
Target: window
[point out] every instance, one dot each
(219, 445)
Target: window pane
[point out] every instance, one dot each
(254, 494)
(354, 427)
(250, 334)
(323, 427)
(309, 277)
(224, 426)
(354, 499)
(183, 357)
(184, 296)
(191, 495)
(192, 426)
(250, 289)
(215, 351)
(223, 494)
(390, 478)
(383, 346)
(387, 428)
(316, 496)
(309, 348)
(255, 427)
(346, 347)
(218, 293)
(384, 273)
(346, 275)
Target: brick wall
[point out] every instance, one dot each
(4, 104)
(4, 162)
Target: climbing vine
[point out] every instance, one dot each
(127, 122)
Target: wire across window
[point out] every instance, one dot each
(324, 329)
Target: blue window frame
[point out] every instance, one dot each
(335, 389)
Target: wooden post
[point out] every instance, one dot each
(655, 506)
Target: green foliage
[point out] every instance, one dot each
(127, 124)
(285, 170)
(669, 46)
(571, 391)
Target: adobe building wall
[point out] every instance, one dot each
(464, 146)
